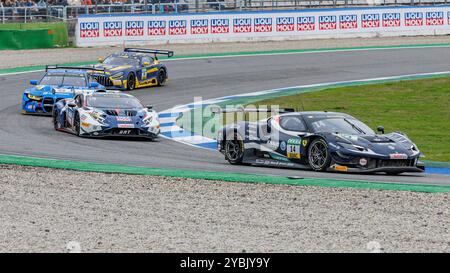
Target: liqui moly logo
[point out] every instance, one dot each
(134, 28)
(199, 26)
(263, 24)
(156, 28)
(391, 19)
(348, 21)
(434, 18)
(177, 27)
(89, 29)
(112, 29)
(327, 22)
(242, 25)
(370, 20)
(285, 24)
(219, 26)
(413, 19)
(306, 23)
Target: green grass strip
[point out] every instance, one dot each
(246, 53)
(221, 176)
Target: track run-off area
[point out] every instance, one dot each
(212, 77)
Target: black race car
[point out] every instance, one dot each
(132, 68)
(321, 141)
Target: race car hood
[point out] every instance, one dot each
(394, 145)
(56, 91)
(112, 69)
(119, 118)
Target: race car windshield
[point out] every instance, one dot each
(341, 125)
(63, 80)
(121, 61)
(113, 102)
(52, 80)
(74, 81)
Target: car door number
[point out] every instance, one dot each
(293, 148)
(144, 73)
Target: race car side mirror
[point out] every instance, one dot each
(101, 60)
(72, 104)
(380, 129)
(33, 82)
(269, 126)
(94, 85)
(149, 107)
(146, 64)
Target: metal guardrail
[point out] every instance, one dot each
(64, 13)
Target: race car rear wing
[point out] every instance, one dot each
(49, 67)
(155, 52)
(218, 110)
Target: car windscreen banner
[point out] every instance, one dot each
(95, 30)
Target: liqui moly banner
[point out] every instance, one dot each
(92, 30)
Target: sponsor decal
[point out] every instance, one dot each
(199, 26)
(125, 125)
(177, 27)
(293, 148)
(156, 28)
(434, 18)
(413, 19)
(112, 29)
(134, 28)
(327, 22)
(391, 19)
(370, 20)
(242, 25)
(304, 142)
(263, 24)
(89, 29)
(285, 24)
(306, 23)
(398, 156)
(219, 26)
(123, 119)
(283, 145)
(348, 21)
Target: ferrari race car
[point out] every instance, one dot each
(59, 82)
(106, 114)
(133, 68)
(321, 141)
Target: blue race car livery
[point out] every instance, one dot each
(106, 114)
(58, 83)
(133, 68)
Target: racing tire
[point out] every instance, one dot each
(131, 82)
(76, 125)
(319, 157)
(234, 150)
(161, 77)
(56, 123)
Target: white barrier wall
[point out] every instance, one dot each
(96, 30)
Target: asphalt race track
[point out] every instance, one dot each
(211, 78)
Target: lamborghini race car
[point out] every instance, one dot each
(321, 141)
(58, 83)
(106, 114)
(133, 68)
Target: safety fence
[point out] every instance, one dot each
(64, 13)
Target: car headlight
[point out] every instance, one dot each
(352, 147)
(150, 118)
(117, 75)
(32, 97)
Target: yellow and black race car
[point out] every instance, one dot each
(132, 68)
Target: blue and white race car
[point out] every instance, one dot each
(59, 82)
(106, 114)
